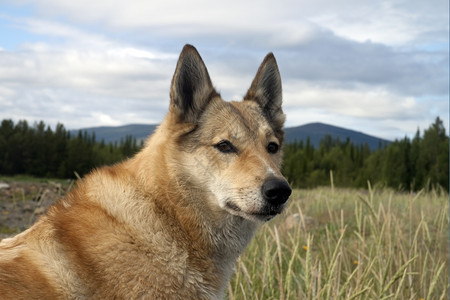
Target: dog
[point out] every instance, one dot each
(170, 222)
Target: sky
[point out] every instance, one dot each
(379, 67)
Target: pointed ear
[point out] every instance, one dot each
(191, 88)
(266, 91)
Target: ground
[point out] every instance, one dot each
(22, 202)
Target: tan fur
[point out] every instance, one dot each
(170, 222)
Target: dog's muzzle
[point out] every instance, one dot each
(275, 193)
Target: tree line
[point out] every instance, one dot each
(42, 152)
(406, 164)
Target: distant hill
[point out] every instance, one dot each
(315, 132)
(112, 134)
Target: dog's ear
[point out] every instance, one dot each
(266, 91)
(191, 88)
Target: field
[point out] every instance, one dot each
(329, 244)
(23, 199)
(348, 244)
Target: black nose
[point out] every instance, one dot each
(276, 191)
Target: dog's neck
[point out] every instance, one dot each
(219, 229)
(227, 235)
(209, 231)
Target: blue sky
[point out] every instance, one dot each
(380, 67)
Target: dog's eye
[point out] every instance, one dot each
(226, 147)
(272, 148)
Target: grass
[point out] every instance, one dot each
(7, 230)
(19, 194)
(31, 179)
(346, 244)
(375, 244)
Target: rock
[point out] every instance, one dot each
(27, 208)
(39, 210)
(4, 186)
(298, 220)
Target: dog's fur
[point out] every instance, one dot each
(170, 222)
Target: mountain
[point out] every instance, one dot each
(315, 132)
(112, 134)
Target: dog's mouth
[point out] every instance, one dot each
(265, 214)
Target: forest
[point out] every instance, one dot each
(42, 152)
(405, 164)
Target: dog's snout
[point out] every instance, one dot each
(276, 191)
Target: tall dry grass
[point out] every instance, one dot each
(348, 244)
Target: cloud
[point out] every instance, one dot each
(366, 63)
(388, 22)
(60, 82)
(379, 112)
(333, 59)
(359, 102)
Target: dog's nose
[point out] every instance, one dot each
(276, 191)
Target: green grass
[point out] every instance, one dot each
(7, 230)
(31, 179)
(22, 194)
(375, 244)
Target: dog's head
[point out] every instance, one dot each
(232, 151)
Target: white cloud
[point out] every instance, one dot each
(106, 119)
(362, 102)
(375, 111)
(111, 62)
(61, 82)
(390, 22)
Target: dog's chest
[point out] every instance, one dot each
(163, 269)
